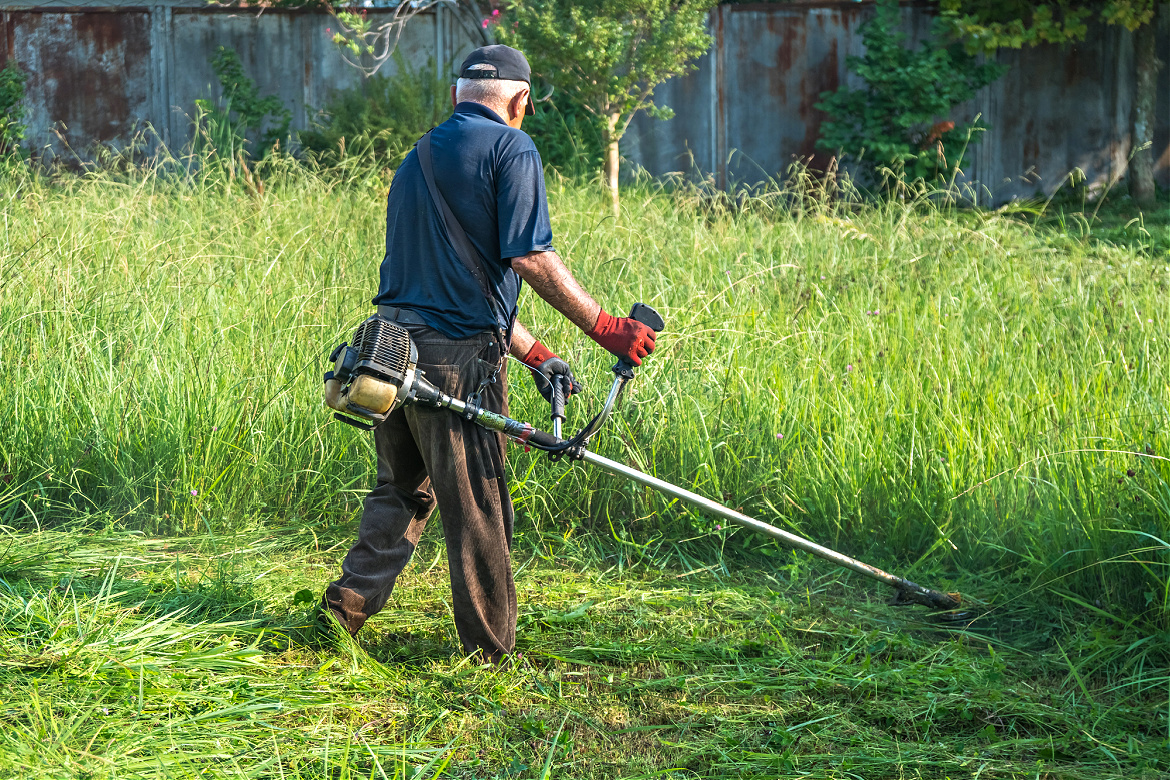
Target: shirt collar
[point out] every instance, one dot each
(470, 107)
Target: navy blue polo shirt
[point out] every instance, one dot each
(491, 176)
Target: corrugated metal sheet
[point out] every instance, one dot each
(102, 74)
(1058, 109)
(749, 112)
(89, 74)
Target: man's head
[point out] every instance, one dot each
(498, 77)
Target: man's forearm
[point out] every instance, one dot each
(553, 282)
(522, 341)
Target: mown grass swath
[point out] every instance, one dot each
(129, 656)
(978, 398)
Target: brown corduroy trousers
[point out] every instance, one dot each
(429, 457)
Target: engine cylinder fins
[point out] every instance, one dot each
(384, 347)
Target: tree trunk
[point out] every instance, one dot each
(612, 159)
(1141, 167)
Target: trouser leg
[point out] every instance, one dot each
(466, 467)
(394, 515)
(428, 456)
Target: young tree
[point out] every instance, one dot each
(987, 25)
(610, 55)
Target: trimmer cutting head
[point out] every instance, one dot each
(925, 597)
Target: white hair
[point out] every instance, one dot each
(490, 92)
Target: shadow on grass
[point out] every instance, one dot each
(1116, 220)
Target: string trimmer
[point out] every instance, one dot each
(377, 374)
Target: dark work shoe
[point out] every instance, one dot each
(343, 608)
(330, 624)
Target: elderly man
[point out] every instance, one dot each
(473, 186)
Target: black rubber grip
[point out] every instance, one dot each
(543, 440)
(647, 316)
(558, 398)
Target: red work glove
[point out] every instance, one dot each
(536, 354)
(623, 337)
(546, 368)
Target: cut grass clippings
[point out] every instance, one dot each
(129, 656)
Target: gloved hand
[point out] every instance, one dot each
(547, 368)
(623, 337)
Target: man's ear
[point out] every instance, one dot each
(453, 103)
(518, 104)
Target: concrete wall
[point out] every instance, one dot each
(102, 74)
(748, 112)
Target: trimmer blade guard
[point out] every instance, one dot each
(927, 598)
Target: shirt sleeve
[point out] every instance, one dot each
(522, 206)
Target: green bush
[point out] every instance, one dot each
(568, 136)
(12, 81)
(242, 120)
(386, 113)
(899, 122)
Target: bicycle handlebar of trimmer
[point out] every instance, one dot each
(623, 369)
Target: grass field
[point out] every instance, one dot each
(976, 400)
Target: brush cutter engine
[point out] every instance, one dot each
(379, 373)
(375, 374)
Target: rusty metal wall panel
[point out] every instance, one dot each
(749, 111)
(89, 75)
(289, 55)
(1058, 109)
(270, 48)
(687, 143)
(102, 75)
(7, 37)
(777, 65)
(324, 72)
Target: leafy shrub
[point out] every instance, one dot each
(900, 120)
(242, 121)
(385, 115)
(388, 113)
(568, 137)
(12, 81)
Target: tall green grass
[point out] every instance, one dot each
(947, 390)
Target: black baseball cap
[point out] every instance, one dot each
(499, 62)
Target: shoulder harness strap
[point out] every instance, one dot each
(470, 256)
